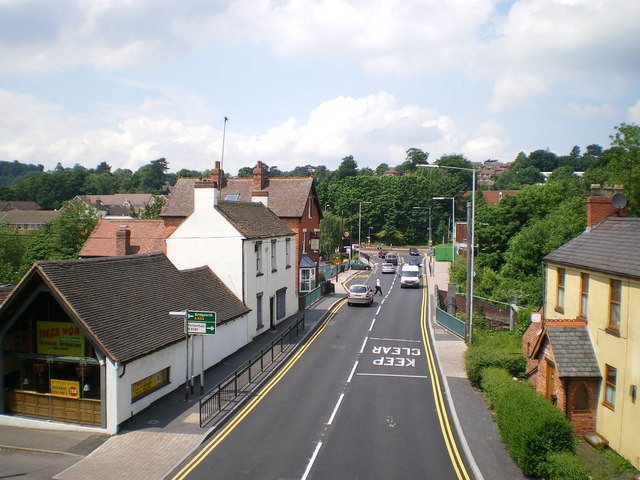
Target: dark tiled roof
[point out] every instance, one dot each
(613, 246)
(573, 351)
(18, 205)
(253, 219)
(124, 302)
(22, 217)
(287, 197)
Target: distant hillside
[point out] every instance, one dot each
(12, 173)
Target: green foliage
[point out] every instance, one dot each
(477, 358)
(331, 229)
(62, 237)
(565, 466)
(13, 245)
(150, 210)
(12, 173)
(530, 426)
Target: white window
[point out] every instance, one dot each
(307, 279)
(287, 248)
(304, 240)
(274, 264)
(259, 323)
(258, 249)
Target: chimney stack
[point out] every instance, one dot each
(600, 204)
(259, 177)
(217, 175)
(123, 242)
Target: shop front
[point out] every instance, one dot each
(50, 369)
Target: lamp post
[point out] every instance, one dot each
(453, 225)
(426, 208)
(470, 244)
(327, 205)
(369, 236)
(360, 223)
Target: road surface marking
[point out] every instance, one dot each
(335, 410)
(311, 461)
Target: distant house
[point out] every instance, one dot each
(113, 237)
(247, 246)
(119, 204)
(92, 341)
(583, 351)
(27, 219)
(491, 197)
(17, 205)
(293, 200)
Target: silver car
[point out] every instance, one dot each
(359, 294)
(388, 268)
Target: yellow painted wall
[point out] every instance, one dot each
(620, 426)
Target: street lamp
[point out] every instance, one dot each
(426, 208)
(470, 244)
(369, 236)
(453, 222)
(360, 222)
(325, 207)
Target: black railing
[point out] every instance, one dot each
(227, 393)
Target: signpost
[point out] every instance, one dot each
(195, 323)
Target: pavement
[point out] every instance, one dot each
(153, 442)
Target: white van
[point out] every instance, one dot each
(410, 276)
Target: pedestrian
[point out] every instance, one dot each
(378, 288)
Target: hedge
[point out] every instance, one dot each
(565, 466)
(530, 426)
(478, 358)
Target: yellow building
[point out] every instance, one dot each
(595, 279)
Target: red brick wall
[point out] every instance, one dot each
(583, 421)
(529, 339)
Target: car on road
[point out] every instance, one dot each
(410, 276)
(388, 268)
(415, 261)
(382, 253)
(360, 295)
(414, 251)
(391, 258)
(358, 265)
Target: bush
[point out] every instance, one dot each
(480, 357)
(565, 466)
(530, 426)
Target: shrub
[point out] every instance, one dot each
(529, 425)
(479, 358)
(565, 466)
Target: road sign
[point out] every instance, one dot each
(201, 323)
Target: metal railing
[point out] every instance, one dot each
(448, 321)
(240, 383)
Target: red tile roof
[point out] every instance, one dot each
(147, 236)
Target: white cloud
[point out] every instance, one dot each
(589, 110)
(510, 90)
(633, 113)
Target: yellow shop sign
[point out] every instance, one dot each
(60, 338)
(64, 388)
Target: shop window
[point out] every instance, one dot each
(149, 384)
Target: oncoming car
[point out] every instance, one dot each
(388, 268)
(359, 294)
(414, 251)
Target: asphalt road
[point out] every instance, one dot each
(357, 402)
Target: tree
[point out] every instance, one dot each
(150, 178)
(380, 169)
(12, 248)
(103, 167)
(63, 236)
(330, 233)
(348, 168)
(150, 210)
(245, 172)
(417, 156)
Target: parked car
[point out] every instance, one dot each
(388, 268)
(414, 251)
(359, 294)
(382, 253)
(391, 258)
(358, 265)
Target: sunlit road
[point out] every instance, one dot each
(356, 403)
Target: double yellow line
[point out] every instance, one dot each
(443, 418)
(255, 400)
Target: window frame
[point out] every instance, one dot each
(610, 387)
(258, 250)
(287, 250)
(615, 304)
(561, 279)
(274, 260)
(584, 295)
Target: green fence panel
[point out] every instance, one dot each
(451, 323)
(443, 253)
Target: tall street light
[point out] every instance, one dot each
(369, 236)
(360, 222)
(453, 229)
(325, 207)
(470, 244)
(426, 208)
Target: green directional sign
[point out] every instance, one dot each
(201, 323)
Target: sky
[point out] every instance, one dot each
(309, 82)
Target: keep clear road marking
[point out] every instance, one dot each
(393, 356)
